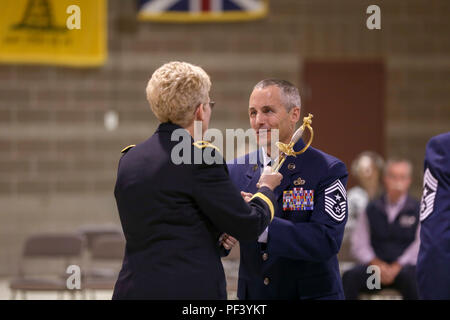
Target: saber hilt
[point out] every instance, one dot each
(288, 149)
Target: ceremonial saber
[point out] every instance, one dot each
(288, 149)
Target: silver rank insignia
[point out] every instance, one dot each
(430, 185)
(336, 201)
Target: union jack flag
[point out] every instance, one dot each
(202, 10)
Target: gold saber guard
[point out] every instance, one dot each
(288, 149)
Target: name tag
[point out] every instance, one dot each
(298, 199)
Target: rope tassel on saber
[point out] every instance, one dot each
(288, 149)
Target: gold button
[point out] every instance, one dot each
(265, 256)
(291, 166)
(266, 281)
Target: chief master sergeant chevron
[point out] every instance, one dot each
(296, 256)
(173, 214)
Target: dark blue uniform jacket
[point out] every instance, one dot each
(299, 260)
(433, 263)
(172, 216)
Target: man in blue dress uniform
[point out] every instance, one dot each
(433, 262)
(296, 256)
(173, 212)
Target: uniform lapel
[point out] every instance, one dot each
(253, 177)
(287, 173)
(253, 173)
(286, 178)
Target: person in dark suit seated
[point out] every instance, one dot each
(174, 212)
(386, 235)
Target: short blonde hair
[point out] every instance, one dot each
(175, 90)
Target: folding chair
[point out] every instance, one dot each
(106, 250)
(47, 247)
(93, 231)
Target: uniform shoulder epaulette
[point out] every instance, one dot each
(126, 149)
(204, 144)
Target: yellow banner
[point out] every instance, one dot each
(62, 32)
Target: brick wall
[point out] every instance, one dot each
(58, 162)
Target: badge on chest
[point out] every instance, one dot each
(298, 199)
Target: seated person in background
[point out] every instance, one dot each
(366, 169)
(387, 235)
